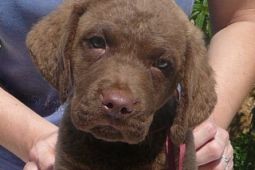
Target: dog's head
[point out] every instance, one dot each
(118, 62)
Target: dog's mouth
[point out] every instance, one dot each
(126, 131)
(107, 133)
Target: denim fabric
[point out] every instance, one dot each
(186, 5)
(17, 73)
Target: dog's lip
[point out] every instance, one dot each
(106, 132)
(108, 127)
(111, 134)
(107, 124)
(107, 120)
(118, 124)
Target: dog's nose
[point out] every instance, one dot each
(117, 102)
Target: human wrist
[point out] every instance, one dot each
(48, 130)
(38, 133)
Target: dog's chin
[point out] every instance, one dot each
(111, 134)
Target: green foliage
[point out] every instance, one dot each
(200, 16)
(244, 150)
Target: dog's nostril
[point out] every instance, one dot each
(125, 110)
(109, 105)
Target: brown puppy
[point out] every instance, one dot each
(118, 63)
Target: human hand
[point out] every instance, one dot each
(213, 148)
(42, 154)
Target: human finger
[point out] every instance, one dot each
(43, 152)
(30, 166)
(204, 133)
(43, 155)
(224, 163)
(214, 149)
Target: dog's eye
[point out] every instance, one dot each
(97, 42)
(161, 64)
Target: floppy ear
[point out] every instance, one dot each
(198, 96)
(63, 72)
(50, 42)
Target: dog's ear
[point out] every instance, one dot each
(49, 43)
(197, 94)
(63, 72)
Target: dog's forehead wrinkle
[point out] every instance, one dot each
(135, 13)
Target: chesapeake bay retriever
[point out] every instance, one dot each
(118, 64)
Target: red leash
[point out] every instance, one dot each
(169, 145)
(182, 150)
(170, 155)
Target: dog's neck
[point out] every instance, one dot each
(87, 151)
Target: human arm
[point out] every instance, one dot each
(21, 129)
(232, 56)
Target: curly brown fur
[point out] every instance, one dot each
(150, 48)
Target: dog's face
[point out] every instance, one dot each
(118, 62)
(126, 59)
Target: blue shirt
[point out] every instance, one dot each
(17, 73)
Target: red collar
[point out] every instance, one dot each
(170, 155)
